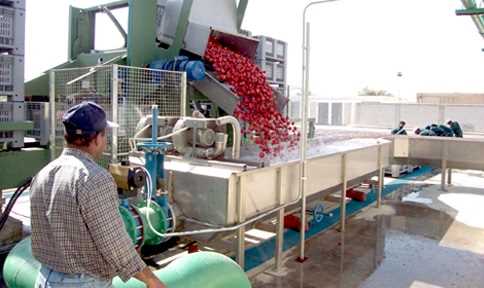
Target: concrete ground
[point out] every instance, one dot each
(421, 237)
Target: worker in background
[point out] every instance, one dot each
(436, 129)
(77, 232)
(447, 132)
(400, 130)
(425, 132)
(455, 126)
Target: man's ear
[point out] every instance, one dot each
(97, 139)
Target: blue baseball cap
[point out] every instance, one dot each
(86, 118)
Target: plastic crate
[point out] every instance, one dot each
(11, 112)
(12, 77)
(12, 30)
(38, 113)
(17, 4)
(271, 49)
(275, 71)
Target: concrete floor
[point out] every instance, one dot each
(421, 237)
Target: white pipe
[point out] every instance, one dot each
(236, 131)
(132, 141)
(204, 231)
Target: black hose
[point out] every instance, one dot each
(21, 188)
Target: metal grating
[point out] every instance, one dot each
(7, 26)
(129, 92)
(11, 113)
(37, 112)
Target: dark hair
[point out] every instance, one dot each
(403, 122)
(81, 140)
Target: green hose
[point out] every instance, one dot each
(201, 269)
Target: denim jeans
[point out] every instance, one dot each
(49, 278)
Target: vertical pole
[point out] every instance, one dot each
(183, 95)
(341, 273)
(303, 168)
(449, 176)
(240, 249)
(114, 102)
(52, 113)
(151, 162)
(344, 187)
(380, 177)
(444, 166)
(280, 223)
(154, 123)
(304, 107)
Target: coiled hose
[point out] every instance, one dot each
(21, 188)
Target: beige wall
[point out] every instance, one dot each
(450, 98)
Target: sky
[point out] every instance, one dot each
(354, 43)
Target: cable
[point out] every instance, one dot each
(148, 204)
(23, 186)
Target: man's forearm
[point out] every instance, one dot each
(149, 278)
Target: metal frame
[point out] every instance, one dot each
(125, 92)
(278, 176)
(440, 152)
(474, 12)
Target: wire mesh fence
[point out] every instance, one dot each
(126, 94)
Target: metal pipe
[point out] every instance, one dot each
(114, 102)
(93, 70)
(112, 6)
(236, 131)
(304, 109)
(52, 114)
(230, 228)
(478, 20)
(106, 10)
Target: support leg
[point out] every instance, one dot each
(449, 177)
(279, 240)
(241, 247)
(344, 187)
(444, 174)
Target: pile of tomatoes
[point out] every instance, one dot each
(270, 130)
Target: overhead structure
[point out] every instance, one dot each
(475, 11)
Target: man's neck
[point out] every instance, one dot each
(81, 148)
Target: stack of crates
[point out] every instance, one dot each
(38, 113)
(12, 50)
(272, 58)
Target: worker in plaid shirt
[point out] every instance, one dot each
(77, 232)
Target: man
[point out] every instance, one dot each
(447, 132)
(436, 129)
(425, 132)
(455, 126)
(77, 232)
(400, 130)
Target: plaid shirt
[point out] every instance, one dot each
(76, 225)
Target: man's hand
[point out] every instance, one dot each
(150, 279)
(155, 284)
